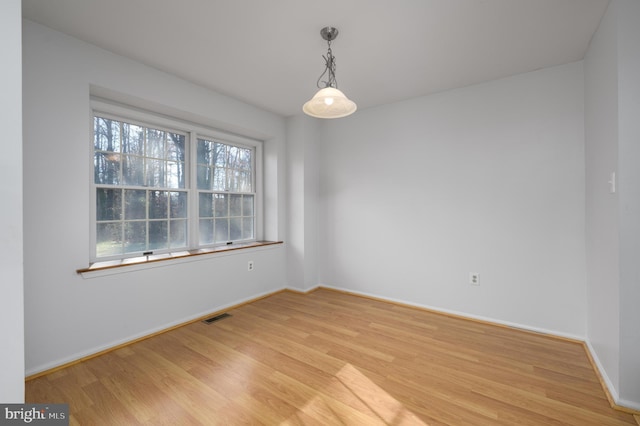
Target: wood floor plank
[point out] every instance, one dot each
(106, 409)
(327, 358)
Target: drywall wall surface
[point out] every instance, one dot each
(629, 207)
(602, 240)
(11, 227)
(303, 140)
(70, 315)
(311, 206)
(612, 105)
(486, 179)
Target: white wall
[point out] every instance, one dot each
(629, 207)
(602, 241)
(303, 142)
(68, 315)
(486, 179)
(11, 228)
(612, 108)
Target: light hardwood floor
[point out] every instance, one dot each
(329, 358)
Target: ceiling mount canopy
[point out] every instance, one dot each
(329, 102)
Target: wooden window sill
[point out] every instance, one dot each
(143, 260)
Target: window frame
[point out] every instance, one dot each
(196, 188)
(192, 131)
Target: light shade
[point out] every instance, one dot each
(329, 103)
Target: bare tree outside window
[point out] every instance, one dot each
(225, 192)
(135, 167)
(142, 185)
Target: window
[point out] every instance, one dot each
(225, 192)
(168, 188)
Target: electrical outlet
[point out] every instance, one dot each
(474, 278)
(250, 266)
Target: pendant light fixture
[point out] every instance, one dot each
(329, 102)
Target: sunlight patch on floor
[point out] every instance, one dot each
(353, 398)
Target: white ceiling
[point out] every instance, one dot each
(269, 52)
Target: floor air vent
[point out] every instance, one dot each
(216, 318)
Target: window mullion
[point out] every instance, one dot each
(192, 185)
(146, 221)
(121, 159)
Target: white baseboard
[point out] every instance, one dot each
(603, 373)
(613, 393)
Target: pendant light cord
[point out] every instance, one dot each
(330, 70)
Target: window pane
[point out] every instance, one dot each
(175, 175)
(135, 235)
(235, 205)
(135, 204)
(133, 170)
(155, 143)
(239, 158)
(132, 139)
(247, 205)
(220, 179)
(158, 204)
(221, 234)
(155, 173)
(221, 205)
(244, 182)
(205, 204)
(158, 235)
(205, 231)
(106, 134)
(178, 204)
(239, 181)
(204, 177)
(175, 147)
(232, 180)
(106, 168)
(245, 159)
(205, 152)
(108, 239)
(233, 157)
(108, 204)
(178, 233)
(235, 228)
(219, 155)
(247, 228)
